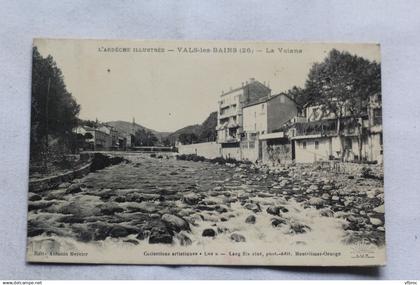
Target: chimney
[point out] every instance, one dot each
(242, 84)
(252, 79)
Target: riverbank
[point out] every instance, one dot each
(94, 162)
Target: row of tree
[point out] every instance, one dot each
(54, 111)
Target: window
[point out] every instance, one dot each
(316, 144)
(377, 116)
(304, 145)
(348, 143)
(262, 107)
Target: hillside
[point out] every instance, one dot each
(129, 128)
(196, 133)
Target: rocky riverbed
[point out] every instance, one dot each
(161, 200)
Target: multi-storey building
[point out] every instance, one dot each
(230, 118)
(260, 120)
(99, 140)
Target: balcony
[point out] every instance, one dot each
(229, 140)
(227, 115)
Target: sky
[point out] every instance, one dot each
(169, 90)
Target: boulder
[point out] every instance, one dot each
(175, 223)
(327, 187)
(299, 228)
(313, 187)
(250, 219)
(221, 209)
(118, 231)
(34, 197)
(376, 221)
(253, 207)
(237, 237)
(191, 199)
(273, 210)
(74, 188)
(380, 209)
(278, 222)
(160, 235)
(315, 201)
(325, 196)
(39, 205)
(326, 213)
(283, 209)
(209, 233)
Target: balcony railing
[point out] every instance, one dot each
(229, 140)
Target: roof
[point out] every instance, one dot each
(244, 86)
(267, 98)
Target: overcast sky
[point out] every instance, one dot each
(170, 90)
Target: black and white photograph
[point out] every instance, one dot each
(206, 152)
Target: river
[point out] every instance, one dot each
(176, 202)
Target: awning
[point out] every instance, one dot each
(270, 136)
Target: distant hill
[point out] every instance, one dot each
(196, 133)
(128, 128)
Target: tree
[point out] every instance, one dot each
(300, 96)
(53, 110)
(342, 85)
(144, 138)
(166, 142)
(188, 138)
(207, 131)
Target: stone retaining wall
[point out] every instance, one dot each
(354, 169)
(37, 185)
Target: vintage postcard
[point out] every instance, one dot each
(206, 152)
